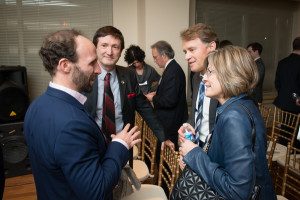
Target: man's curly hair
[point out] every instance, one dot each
(56, 46)
(134, 53)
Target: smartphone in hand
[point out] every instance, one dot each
(296, 96)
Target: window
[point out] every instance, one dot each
(242, 22)
(25, 23)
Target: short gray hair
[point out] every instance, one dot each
(163, 47)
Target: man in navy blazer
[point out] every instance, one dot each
(70, 157)
(170, 98)
(128, 96)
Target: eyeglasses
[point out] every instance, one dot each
(208, 72)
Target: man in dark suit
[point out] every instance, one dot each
(255, 50)
(287, 82)
(128, 97)
(170, 98)
(70, 156)
(197, 42)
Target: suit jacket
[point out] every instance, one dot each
(212, 106)
(257, 94)
(170, 100)
(287, 81)
(132, 99)
(68, 151)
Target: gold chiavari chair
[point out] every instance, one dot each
(149, 146)
(149, 191)
(139, 121)
(168, 168)
(271, 143)
(285, 125)
(148, 151)
(291, 177)
(265, 113)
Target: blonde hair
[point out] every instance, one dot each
(236, 70)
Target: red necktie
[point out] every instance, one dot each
(108, 114)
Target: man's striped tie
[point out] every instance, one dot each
(200, 111)
(108, 114)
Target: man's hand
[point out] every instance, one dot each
(168, 143)
(297, 102)
(181, 133)
(128, 137)
(150, 96)
(181, 163)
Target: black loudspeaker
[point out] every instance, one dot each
(14, 99)
(15, 152)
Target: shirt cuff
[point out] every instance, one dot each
(121, 141)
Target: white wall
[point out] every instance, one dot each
(144, 22)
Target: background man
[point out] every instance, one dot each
(197, 42)
(170, 98)
(255, 50)
(70, 156)
(287, 82)
(127, 96)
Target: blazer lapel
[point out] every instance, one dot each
(122, 84)
(197, 80)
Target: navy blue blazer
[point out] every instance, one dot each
(68, 151)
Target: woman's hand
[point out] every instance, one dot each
(181, 163)
(181, 132)
(186, 147)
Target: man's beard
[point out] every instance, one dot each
(82, 79)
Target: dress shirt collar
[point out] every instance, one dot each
(80, 97)
(103, 73)
(228, 102)
(168, 62)
(256, 58)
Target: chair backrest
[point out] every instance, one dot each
(265, 113)
(149, 144)
(271, 144)
(285, 125)
(168, 168)
(291, 177)
(139, 121)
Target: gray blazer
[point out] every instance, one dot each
(212, 106)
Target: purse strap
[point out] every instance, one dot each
(253, 132)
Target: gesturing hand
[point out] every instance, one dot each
(128, 137)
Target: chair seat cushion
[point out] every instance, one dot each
(140, 169)
(147, 192)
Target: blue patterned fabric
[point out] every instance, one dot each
(200, 108)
